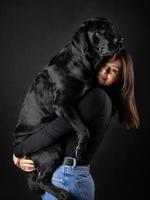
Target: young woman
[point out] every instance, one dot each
(113, 95)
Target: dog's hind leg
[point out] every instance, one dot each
(44, 181)
(74, 119)
(47, 161)
(31, 179)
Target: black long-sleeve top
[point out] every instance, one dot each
(94, 108)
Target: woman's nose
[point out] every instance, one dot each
(106, 71)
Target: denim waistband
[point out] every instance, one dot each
(75, 166)
(67, 169)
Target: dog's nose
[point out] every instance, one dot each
(115, 40)
(118, 40)
(121, 42)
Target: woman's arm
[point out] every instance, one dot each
(90, 107)
(49, 134)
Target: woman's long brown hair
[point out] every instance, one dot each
(127, 113)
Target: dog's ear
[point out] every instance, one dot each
(79, 40)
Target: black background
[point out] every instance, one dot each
(34, 31)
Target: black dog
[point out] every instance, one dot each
(56, 89)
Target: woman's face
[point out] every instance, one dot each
(110, 72)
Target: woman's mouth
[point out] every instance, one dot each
(102, 80)
(102, 77)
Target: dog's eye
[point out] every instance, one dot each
(101, 31)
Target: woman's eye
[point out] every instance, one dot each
(115, 71)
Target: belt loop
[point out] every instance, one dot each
(74, 162)
(64, 169)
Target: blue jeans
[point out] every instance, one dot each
(77, 180)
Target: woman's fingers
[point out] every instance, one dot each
(26, 161)
(27, 165)
(27, 168)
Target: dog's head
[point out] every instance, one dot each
(98, 39)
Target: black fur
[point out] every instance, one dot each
(55, 90)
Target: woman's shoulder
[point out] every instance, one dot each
(97, 97)
(100, 93)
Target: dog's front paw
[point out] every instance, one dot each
(80, 151)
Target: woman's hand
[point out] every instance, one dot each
(23, 163)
